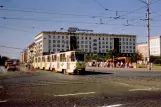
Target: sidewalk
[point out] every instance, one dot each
(155, 68)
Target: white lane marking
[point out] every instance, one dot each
(145, 89)
(3, 101)
(75, 94)
(116, 105)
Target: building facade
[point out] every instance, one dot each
(30, 52)
(155, 46)
(143, 49)
(23, 56)
(52, 42)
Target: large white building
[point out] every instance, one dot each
(155, 46)
(51, 42)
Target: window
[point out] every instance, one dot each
(54, 41)
(106, 42)
(130, 39)
(66, 37)
(102, 38)
(72, 56)
(82, 46)
(126, 39)
(86, 42)
(53, 45)
(110, 47)
(86, 46)
(49, 41)
(119, 43)
(103, 42)
(82, 37)
(58, 49)
(58, 45)
(106, 46)
(103, 46)
(43, 59)
(127, 47)
(130, 47)
(99, 38)
(107, 39)
(90, 38)
(94, 48)
(53, 50)
(95, 40)
(58, 41)
(82, 42)
(49, 36)
(123, 50)
(62, 37)
(62, 45)
(86, 38)
(123, 39)
(58, 37)
(62, 58)
(94, 44)
(126, 43)
(48, 58)
(53, 37)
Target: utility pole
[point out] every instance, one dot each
(148, 31)
(148, 34)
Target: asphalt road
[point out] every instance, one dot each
(95, 89)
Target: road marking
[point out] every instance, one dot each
(145, 89)
(116, 105)
(1, 86)
(3, 101)
(75, 94)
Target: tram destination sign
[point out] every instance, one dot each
(75, 29)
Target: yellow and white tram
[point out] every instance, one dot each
(66, 62)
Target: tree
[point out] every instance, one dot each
(136, 57)
(112, 53)
(3, 59)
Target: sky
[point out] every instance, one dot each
(21, 20)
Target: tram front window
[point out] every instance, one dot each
(79, 56)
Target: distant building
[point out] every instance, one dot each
(143, 49)
(23, 56)
(155, 46)
(30, 52)
(52, 42)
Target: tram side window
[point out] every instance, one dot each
(48, 58)
(61, 57)
(55, 58)
(43, 59)
(64, 58)
(72, 57)
(35, 59)
(39, 59)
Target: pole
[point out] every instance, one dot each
(113, 62)
(148, 34)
